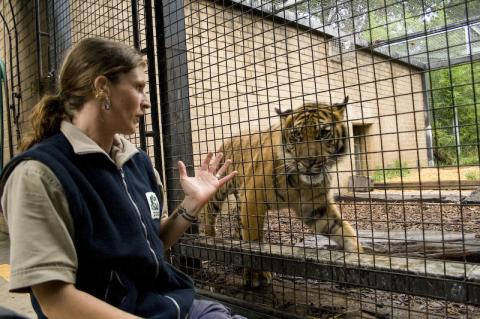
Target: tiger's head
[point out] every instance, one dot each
(313, 136)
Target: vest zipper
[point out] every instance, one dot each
(107, 291)
(176, 305)
(157, 264)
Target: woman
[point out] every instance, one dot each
(83, 204)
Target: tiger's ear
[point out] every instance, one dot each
(284, 113)
(340, 107)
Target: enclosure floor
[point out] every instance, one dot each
(326, 300)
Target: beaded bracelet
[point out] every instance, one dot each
(182, 211)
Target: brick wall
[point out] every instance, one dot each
(242, 67)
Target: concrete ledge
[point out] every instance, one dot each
(359, 183)
(409, 242)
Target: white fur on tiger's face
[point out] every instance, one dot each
(288, 166)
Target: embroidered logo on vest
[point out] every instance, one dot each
(154, 204)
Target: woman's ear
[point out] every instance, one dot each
(101, 83)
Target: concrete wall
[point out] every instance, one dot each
(242, 67)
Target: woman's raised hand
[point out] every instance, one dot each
(201, 187)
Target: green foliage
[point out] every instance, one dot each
(472, 175)
(457, 87)
(391, 19)
(469, 158)
(378, 20)
(390, 172)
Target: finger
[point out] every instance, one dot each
(225, 179)
(182, 170)
(206, 161)
(224, 168)
(216, 160)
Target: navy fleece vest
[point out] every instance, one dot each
(120, 256)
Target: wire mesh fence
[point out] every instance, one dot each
(44, 31)
(354, 129)
(402, 184)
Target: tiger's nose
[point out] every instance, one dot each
(307, 163)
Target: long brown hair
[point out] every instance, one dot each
(87, 60)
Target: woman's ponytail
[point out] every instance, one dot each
(46, 119)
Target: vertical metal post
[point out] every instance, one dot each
(3, 76)
(175, 108)
(428, 125)
(456, 130)
(38, 45)
(136, 44)
(152, 85)
(59, 35)
(136, 33)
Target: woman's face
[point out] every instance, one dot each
(128, 101)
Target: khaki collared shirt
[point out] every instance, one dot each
(38, 217)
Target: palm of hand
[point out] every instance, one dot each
(206, 182)
(201, 187)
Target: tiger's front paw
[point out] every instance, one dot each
(351, 245)
(209, 230)
(256, 279)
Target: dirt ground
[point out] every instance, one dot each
(439, 174)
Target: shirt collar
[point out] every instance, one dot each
(122, 149)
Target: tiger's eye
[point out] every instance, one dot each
(324, 131)
(295, 136)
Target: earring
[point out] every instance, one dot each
(106, 104)
(100, 95)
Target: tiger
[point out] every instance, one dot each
(287, 166)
